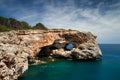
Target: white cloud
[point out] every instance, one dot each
(29, 16)
(115, 5)
(105, 26)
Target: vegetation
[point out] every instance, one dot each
(65, 29)
(74, 30)
(40, 26)
(2, 29)
(7, 24)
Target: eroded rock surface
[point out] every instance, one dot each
(20, 48)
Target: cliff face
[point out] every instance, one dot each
(20, 48)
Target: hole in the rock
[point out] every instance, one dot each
(69, 46)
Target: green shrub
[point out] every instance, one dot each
(2, 29)
(40, 26)
(7, 24)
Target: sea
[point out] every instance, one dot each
(107, 68)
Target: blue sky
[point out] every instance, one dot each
(101, 17)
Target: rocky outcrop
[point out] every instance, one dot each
(18, 49)
(77, 46)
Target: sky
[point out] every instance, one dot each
(101, 17)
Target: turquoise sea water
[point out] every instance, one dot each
(108, 68)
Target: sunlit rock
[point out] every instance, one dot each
(18, 49)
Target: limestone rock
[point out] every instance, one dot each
(19, 48)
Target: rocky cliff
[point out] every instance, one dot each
(20, 48)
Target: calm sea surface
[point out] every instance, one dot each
(106, 69)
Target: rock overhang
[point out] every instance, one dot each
(23, 46)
